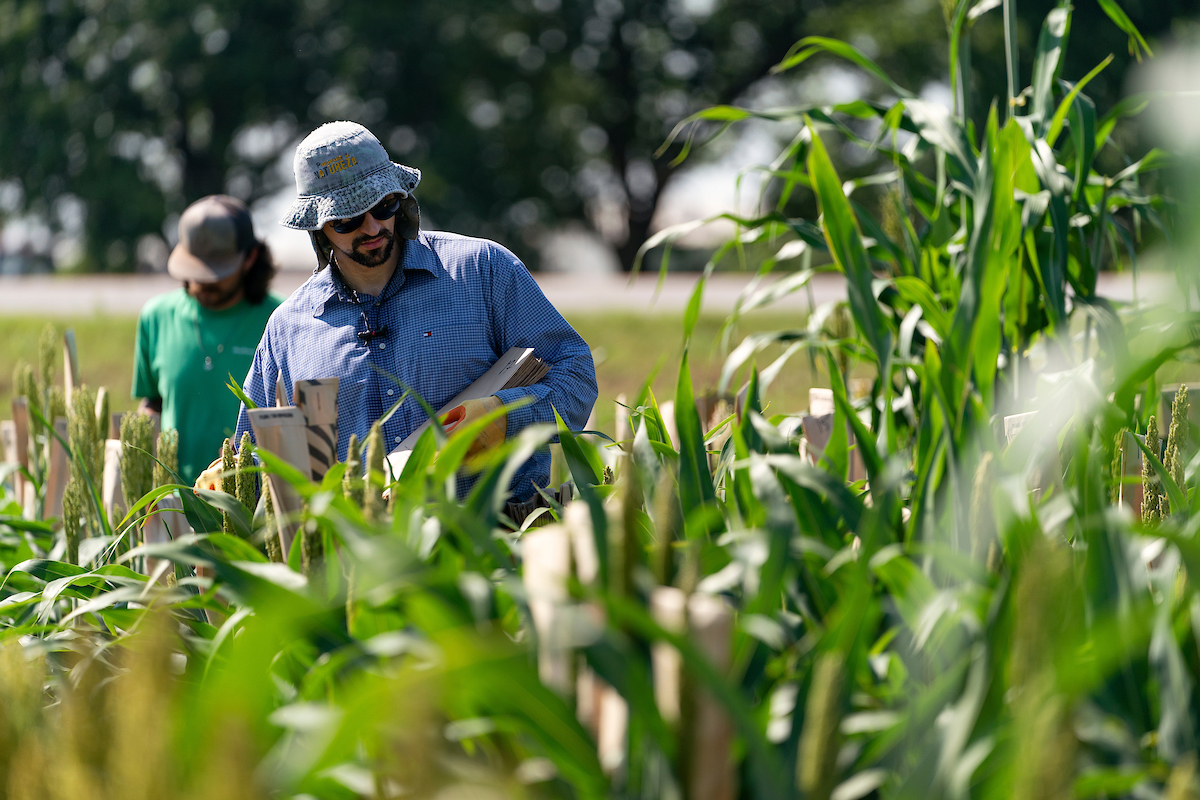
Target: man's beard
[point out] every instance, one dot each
(213, 297)
(372, 258)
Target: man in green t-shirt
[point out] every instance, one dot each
(191, 340)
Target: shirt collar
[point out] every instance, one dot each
(417, 255)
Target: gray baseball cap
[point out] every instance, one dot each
(214, 234)
(341, 171)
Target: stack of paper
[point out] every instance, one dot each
(517, 367)
(530, 370)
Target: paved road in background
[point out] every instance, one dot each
(123, 295)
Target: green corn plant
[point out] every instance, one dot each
(81, 511)
(1175, 457)
(87, 449)
(25, 385)
(166, 452)
(49, 352)
(1153, 497)
(819, 741)
(1117, 468)
(274, 548)
(982, 517)
(103, 414)
(56, 405)
(312, 551)
(137, 463)
(75, 513)
(373, 480)
(228, 483)
(352, 482)
(24, 382)
(246, 485)
(873, 651)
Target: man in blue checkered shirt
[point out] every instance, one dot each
(392, 306)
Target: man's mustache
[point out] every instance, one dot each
(358, 240)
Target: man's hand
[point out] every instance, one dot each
(210, 478)
(150, 405)
(492, 435)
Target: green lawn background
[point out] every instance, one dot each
(627, 348)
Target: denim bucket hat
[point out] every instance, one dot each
(341, 171)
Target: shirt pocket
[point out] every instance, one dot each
(448, 358)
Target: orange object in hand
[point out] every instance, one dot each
(453, 417)
(493, 434)
(210, 478)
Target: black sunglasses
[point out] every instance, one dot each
(385, 210)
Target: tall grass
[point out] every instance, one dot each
(714, 615)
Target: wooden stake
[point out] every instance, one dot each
(101, 403)
(820, 402)
(817, 432)
(317, 400)
(20, 420)
(578, 520)
(1131, 467)
(587, 698)
(711, 773)
(111, 495)
(70, 364)
(8, 438)
(282, 431)
(817, 426)
(165, 523)
(667, 412)
(613, 728)
(58, 471)
(668, 606)
(20, 412)
(546, 556)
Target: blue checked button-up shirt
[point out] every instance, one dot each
(454, 305)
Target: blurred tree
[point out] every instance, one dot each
(118, 114)
(522, 114)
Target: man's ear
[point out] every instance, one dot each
(408, 222)
(323, 248)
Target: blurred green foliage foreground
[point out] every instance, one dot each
(927, 601)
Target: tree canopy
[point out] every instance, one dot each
(521, 114)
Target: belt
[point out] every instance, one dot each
(521, 510)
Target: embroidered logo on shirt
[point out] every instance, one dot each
(427, 334)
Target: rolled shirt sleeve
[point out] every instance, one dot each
(523, 317)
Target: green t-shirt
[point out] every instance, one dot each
(185, 354)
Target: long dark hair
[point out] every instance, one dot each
(258, 277)
(323, 248)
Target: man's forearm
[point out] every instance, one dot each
(150, 404)
(570, 389)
